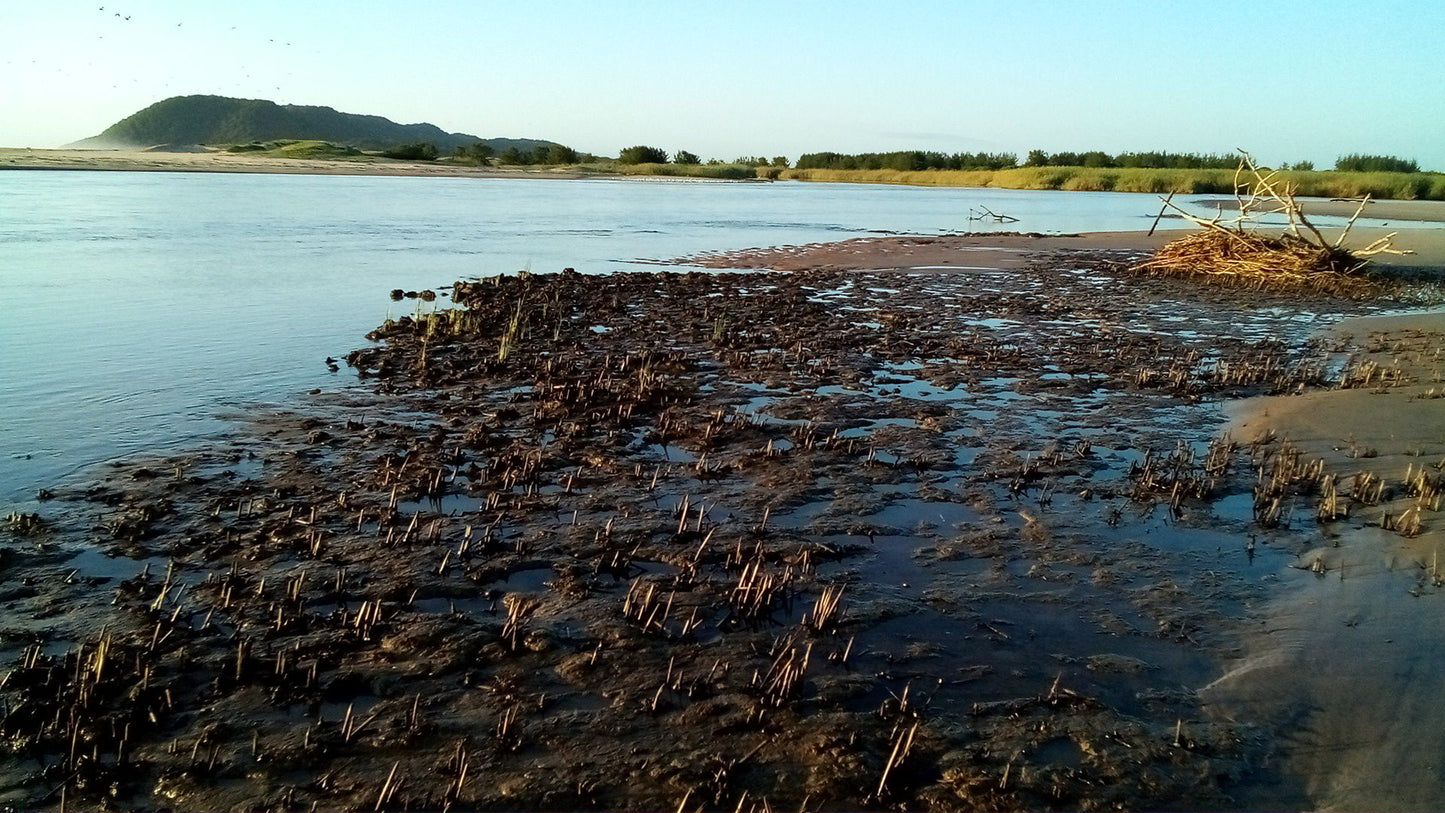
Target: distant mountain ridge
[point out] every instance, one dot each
(224, 120)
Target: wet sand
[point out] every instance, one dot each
(946, 534)
(1349, 666)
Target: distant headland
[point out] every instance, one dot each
(220, 120)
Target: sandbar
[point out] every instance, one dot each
(1425, 248)
(1416, 210)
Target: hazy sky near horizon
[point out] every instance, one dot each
(1287, 79)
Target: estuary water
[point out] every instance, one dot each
(140, 307)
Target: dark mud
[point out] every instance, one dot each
(686, 541)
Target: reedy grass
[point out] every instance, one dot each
(722, 171)
(1327, 184)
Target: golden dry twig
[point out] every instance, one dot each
(1235, 251)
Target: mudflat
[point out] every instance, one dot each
(932, 523)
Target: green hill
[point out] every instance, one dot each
(223, 120)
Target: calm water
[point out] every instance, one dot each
(138, 307)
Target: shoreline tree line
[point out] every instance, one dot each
(901, 160)
(917, 160)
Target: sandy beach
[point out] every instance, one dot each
(204, 160)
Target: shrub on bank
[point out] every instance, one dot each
(419, 151)
(641, 154)
(313, 149)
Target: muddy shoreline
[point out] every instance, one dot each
(939, 538)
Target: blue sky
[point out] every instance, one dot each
(1287, 80)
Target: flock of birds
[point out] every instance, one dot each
(66, 61)
(126, 18)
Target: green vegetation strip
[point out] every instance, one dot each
(723, 171)
(1380, 185)
(1326, 184)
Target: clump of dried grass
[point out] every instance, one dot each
(1235, 251)
(1252, 257)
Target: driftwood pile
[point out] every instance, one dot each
(1235, 250)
